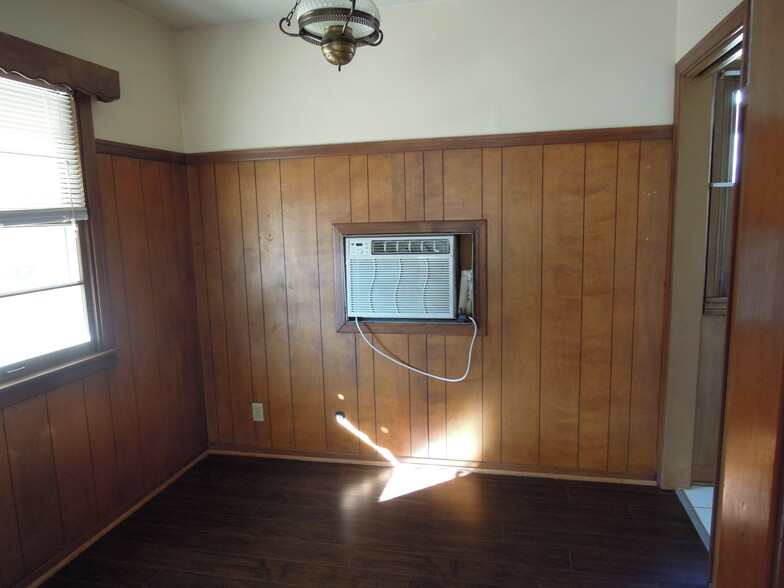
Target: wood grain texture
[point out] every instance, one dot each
(521, 306)
(72, 460)
(750, 540)
(254, 295)
(304, 313)
(309, 524)
(235, 305)
(624, 280)
(141, 305)
(122, 384)
(552, 376)
(601, 163)
(333, 205)
(563, 195)
(492, 177)
(652, 249)
(274, 293)
(103, 447)
(34, 480)
(202, 302)
(463, 200)
(11, 560)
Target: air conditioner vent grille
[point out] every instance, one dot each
(394, 276)
(410, 246)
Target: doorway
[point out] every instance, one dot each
(706, 143)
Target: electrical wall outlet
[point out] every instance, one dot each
(258, 410)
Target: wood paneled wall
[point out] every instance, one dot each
(73, 458)
(567, 378)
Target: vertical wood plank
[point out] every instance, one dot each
(72, 460)
(141, 317)
(252, 256)
(652, 248)
(387, 198)
(100, 427)
(417, 344)
(159, 269)
(463, 200)
(601, 168)
(521, 303)
(562, 252)
(366, 386)
(623, 303)
(202, 303)
(235, 305)
(12, 568)
(35, 483)
(436, 344)
(333, 205)
(213, 272)
(122, 383)
(492, 177)
(273, 285)
(301, 258)
(182, 282)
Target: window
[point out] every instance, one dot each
(44, 304)
(724, 175)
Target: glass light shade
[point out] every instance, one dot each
(359, 31)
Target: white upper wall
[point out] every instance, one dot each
(497, 66)
(506, 66)
(108, 33)
(696, 18)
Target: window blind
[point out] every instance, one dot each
(40, 165)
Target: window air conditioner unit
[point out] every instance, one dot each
(401, 277)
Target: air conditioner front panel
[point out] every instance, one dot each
(395, 277)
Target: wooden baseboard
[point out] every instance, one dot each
(640, 479)
(56, 564)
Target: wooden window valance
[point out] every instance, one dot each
(36, 62)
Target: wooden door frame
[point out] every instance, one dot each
(749, 530)
(680, 372)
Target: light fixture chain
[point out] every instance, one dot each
(291, 13)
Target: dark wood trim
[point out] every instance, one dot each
(475, 142)
(36, 62)
(94, 259)
(716, 43)
(703, 474)
(483, 467)
(476, 228)
(105, 147)
(54, 377)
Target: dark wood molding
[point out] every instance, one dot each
(474, 142)
(105, 147)
(94, 257)
(36, 62)
(716, 43)
(480, 467)
(476, 228)
(60, 375)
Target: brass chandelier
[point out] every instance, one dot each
(337, 26)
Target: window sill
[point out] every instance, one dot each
(26, 387)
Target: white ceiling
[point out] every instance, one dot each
(185, 14)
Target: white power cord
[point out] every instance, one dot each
(413, 369)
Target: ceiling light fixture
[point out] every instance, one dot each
(337, 26)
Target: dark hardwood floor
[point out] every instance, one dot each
(237, 521)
